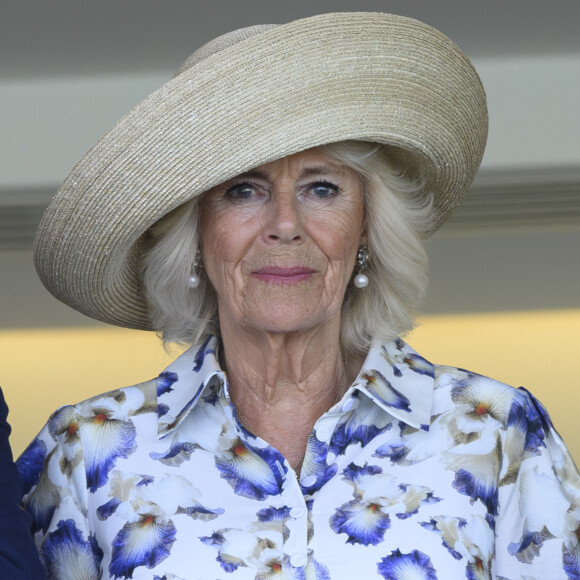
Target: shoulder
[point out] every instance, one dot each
(72, 430)
(477, 408)
(511, 420)
(481, 397)
(117, 404)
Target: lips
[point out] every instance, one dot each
(278, 275)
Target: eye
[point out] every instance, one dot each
(241, 191)
(324, 189)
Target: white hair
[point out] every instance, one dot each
(398, 215)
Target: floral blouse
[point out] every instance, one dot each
(419, 472)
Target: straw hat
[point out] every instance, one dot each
(247, 98)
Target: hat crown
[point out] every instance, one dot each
(218, 44)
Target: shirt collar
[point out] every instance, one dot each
(393, 375)
(181, 384)
(400, 381)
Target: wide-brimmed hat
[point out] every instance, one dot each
(248, 98)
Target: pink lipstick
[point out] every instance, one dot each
(277, 275)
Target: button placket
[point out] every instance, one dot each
(298, 559)
(296, 544)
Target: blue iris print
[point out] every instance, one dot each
(213, 394)
(411, 360)
(483, 398)
(278, 515)
(315, 464)
(165, 382)
(399, 344)
(275, 567)
(382, 388)
(234, 546)
(427, 497)
(434, 526)
(419, 365)
(64, 423)
(217, 540)
(355, 472)
(252, 472)
(315, 570)
(185, 409)
(105, 511)
(365, 519)
(396, 449)
(528, 415)
(179, 452)
(202, 352)
(30, 464)
(571, 560)
(477, 570)
(66, 554)
(146, 542)
(110, 439)
(396, 452)
(415, 565)
(363, 522)
(42, 502)
(469, 484)
(359, 428)
(200, 512)
(272, 514)
(530, 545)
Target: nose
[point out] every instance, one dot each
(285, 222)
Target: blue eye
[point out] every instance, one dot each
(324, 189)
(243, 190)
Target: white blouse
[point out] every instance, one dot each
(419, 472)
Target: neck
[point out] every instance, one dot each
(277, 367)
(281, 384)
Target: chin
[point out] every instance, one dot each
(293, 320)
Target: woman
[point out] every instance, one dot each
(273, 216)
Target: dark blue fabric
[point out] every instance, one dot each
(18, 556)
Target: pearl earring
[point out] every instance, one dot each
(362, 259)
(194, 280)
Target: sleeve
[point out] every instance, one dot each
(54, 482)
(18, 555)
(538, 521)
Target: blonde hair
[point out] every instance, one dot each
(398, 216)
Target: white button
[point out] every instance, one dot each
(347, 405)
(323, 433)
(298, 560)
(309, 481)
(297, 512)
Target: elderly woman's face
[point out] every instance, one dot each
(279, 242)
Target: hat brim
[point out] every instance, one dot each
(364, 76)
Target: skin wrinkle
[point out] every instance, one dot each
(282, 340)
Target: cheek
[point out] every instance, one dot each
(339, 237)
(224, 241)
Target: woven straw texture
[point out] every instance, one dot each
(246, 99)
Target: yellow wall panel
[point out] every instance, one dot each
(44, 369)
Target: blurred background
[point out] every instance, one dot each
(505, 292)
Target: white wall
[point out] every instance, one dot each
(48, 123)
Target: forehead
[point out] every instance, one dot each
(302, 164)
